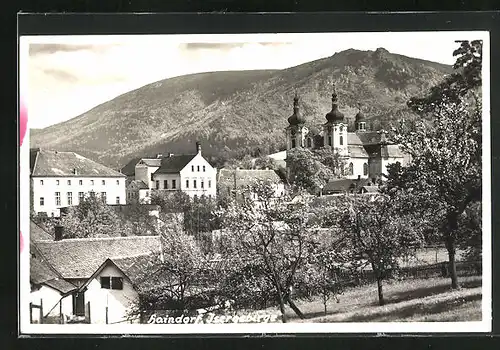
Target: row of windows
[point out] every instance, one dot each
(131, 195)
(69, 197)
(309, 142)
(174, 184)
(197, 168)
(80, 182)
(112, 282)
(351, 169)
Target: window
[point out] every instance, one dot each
(42, 201)
(187, 183)
(341, 140)
(329, 140)
(69, 182)
(41, 182)
(58, 198)
(80, 182)
(293, 143)
(80, 196)
(57, 182)
(365, 169)
(209, 183)
(104, 182)
(157, 184)
(112, 282)
(194, 183)
(103, 196)
(198, 168)
(309, 143)
(92, 182)
(351, 169)
(202, 184)
(165, 184)
(70, 198)
(117, 182)
(192, 168)
(92, 194)
(117, 200)
(173, 184)
(203, 168)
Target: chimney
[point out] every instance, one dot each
(198, 147)
(58, 232)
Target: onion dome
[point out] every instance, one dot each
(335, 116)
(296, 118)
(360, 117)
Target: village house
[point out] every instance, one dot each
(62, 179)
(138, 192)
(190, 173)
(366, 153)
(239, 182)
(95, 297)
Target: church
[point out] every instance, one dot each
(366, 153)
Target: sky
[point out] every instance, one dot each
(62, 77)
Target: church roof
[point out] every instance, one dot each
(357, 151)
(296, 118)
(174, 164)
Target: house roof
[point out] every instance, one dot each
(344, 185)
(137, 185)
(357, 151)
(392, 151)
(245, 177)
(174, 164)
(42, 272)
(129, 168)
(39, 234)
(64, 164)
(81, 257)
(153, 162)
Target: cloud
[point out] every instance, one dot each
(47, 49)
(61, 75)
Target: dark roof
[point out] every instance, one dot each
(344, 185)
(245, 177)
(129, 168)
(174, 164)
(55, 163)
(296, 118)
(42, 272)
(39, 234)
(391, 151)
(81, 257)
(153, 162)
(137, 185)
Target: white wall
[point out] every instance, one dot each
(210, 174)
(50, 298)
(169, 178)
(117, 301)
(50, 186)
(144, 172)
(357, 168)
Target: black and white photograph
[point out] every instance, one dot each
(255, 183)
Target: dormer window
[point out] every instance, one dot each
(361, 126)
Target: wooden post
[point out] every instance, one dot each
(106, 315)
(31, 312)
(41, 311)
(88, 304)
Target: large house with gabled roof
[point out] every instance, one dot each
(63, 179)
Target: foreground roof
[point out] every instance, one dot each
(137, 185)
(39, 234)
(64, 164)
(81, 257)
(245, 177)
(174, 164)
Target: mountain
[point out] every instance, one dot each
(229, 111)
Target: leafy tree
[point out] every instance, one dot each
(313, 169)
(378, 233)
(272, 235)
(444, 176)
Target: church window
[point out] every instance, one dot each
(341, 140)
(351, 169)
(329, 140)
(309, 143)
(293, 143)
(365, 169)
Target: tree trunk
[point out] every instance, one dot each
(450, 247)
(381, 300)
(295, 308)
(282, 308)
(324, 302)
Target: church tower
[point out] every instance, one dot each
(296, 131)
(335, 128)
(360, 121)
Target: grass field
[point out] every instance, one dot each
(419, 300)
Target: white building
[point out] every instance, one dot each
(138, 192)
(191, 174)
(62, 179)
